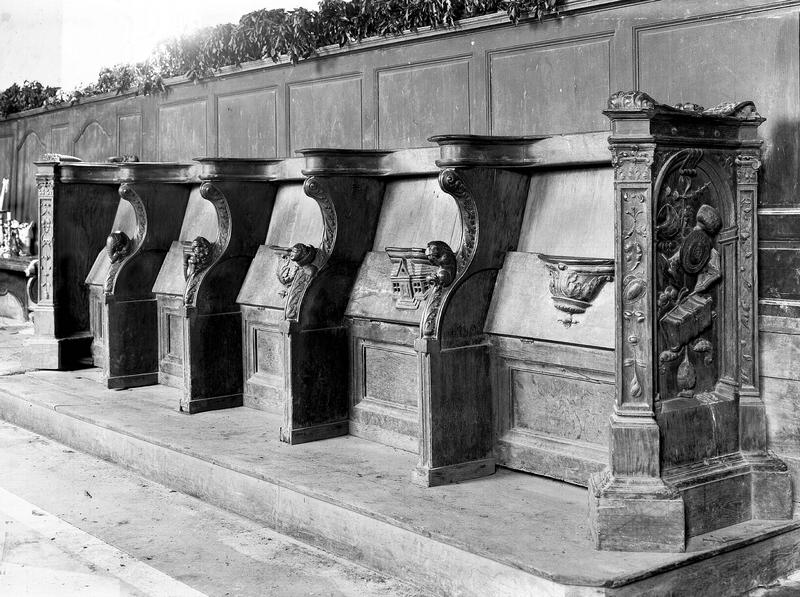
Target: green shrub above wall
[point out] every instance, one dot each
(271, 34)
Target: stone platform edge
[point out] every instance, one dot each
(381, 544)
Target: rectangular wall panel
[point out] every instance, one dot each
(417, 101)
(714, 60)
(246, 125)
(182, 131)
(130, 135)
(6, 158)
(550, 89)
(60, 141)
(325, 113)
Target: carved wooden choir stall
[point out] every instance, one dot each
(294, 296)
(537, 303)
(199, 322)
(123, 309)
(77, 205)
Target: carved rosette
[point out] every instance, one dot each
(121, 249)
(45, 192)
(452, 184)
(208, 253)
(313, 187)
(747, 166)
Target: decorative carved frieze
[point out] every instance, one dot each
(45, 192)
(575, 282)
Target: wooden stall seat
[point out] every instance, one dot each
(293, 298)
(419, 359)
(199, 323)
(123, 310)
(77, 205)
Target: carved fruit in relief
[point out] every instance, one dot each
(576, 281)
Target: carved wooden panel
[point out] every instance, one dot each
(576, 75)
(764, 47)
(391, 375)
(247, 125)
(335, 102)
(94, 143)
(25, 204)
(268, 353)
(60, 139)
(182, 131)
(419, 100)
(130, 135)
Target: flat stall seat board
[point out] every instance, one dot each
(124, 309)
(688, 443)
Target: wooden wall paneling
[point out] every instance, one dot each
(94, 143)
(552, 87)
(416, 101)
(324, 112)
(182, 130)
(7, 161)
(712, 59)
(24, 203)
(129, 137)
(247, 124)
(61, 139)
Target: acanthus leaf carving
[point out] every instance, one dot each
(45, 189)
(631, 100)
(631, 163)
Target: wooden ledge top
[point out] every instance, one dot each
(238, 169)
(323, 161)
(486, 151)
(78, 172)
(167, 172)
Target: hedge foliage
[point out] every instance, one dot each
(271, 34)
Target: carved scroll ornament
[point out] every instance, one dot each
(575, 282)
(635, 101)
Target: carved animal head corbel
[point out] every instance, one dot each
(441, 256)
(290, 261)
(118, 246)
(196, 256)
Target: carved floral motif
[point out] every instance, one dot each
(631, 163)
(45, 192)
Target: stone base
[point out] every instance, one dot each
(121, 382)
(200, 405)
(60, 354)
(635, 514)
(454, 473)
(314, 433)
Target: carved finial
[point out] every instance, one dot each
(631, 100)
(118, 246)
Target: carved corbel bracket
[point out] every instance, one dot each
(451, 266)
(292, 261)
(119, 246)
(575, 282)
(201, 254)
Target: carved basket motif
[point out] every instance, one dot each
(576, 281)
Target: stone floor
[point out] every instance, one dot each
(500, 530)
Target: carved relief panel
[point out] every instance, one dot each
(690, 214)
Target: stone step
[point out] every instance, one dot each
(507, 534)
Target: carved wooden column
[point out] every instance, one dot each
(455, 414)
(347, 187)
(124, 314)
(688, 436)
(77, 203)
(200, 341)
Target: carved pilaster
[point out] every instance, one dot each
(46, 266)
